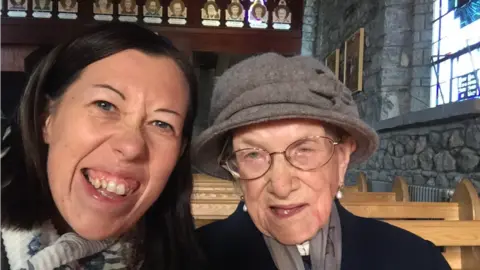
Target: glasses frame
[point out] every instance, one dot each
(223, 161)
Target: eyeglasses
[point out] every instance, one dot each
(305, 154)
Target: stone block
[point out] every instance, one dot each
(416, 81)
(422, 72)
(456, 139)
(307, 28)
(410, 147)
(472, 136)
(395, 76)
(399, 150)
(429, 173)
(398, 18)
(388, 163)
(310, 11)
(397, 2)
(383, 144)
(427, 56)
(308, 36)
(442, 181)
(410, 162)
(420, 144)
(310, 20)
(419, 22)
(425, 159)
(420, 8)
(391, 56)
(419, 180)
(405, 59)
(426, 82)
(445, 138)
(397, 162)
(444, 162)
(422, 45)
(417, 59)
(426, 35)
(310, 3)
(468, 160)
(416, 36)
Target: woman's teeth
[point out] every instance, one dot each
(110, 186)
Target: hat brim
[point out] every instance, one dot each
(208, 145)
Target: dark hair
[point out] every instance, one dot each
(26, 199)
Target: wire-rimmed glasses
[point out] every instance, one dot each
(305, 154)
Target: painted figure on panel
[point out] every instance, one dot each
(152, 8)
(235, 11)
(17, 4)
(67, 6)
(42, 5)
(210, 11)
(103, 7)
(128, 7)
(258, 11)
(177, 9)
(282, 13)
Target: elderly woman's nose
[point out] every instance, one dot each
(130, 143)
(280, 177)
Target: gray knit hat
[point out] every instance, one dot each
(270, 87)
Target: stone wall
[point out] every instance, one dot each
(421, 55)
(309, 28)
(434, 155)
(397, 51)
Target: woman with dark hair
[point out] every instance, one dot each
(95, 169)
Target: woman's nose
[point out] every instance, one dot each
(280, 177)
(130, 144)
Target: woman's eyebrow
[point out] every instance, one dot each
(109, 87)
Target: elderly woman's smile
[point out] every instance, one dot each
(286, 211)
(298, 168)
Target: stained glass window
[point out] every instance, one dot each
(455, 51)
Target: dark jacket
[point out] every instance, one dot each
(235, 243)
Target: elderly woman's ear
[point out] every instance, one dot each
(344, 150)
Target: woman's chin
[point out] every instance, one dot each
(97, 234)
(293, 238)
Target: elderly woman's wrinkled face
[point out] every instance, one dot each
(114, 138)
(287, 203)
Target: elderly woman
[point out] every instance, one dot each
(96, 170)
(286, 131)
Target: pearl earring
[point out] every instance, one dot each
(244, 205)
(339, 194)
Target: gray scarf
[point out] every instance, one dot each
(325, 248)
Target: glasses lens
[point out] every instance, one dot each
(309, 154)
(249, 163)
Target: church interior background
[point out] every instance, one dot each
(413, 67)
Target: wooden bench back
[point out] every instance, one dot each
(358, 192)
(456, 225)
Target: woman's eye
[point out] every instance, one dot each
(104, 105)
(162, 125)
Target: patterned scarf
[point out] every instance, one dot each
(42, 248)
(325, 248)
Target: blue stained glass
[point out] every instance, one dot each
(468, 13)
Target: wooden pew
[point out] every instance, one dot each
(457, 224)
(358, 193)
(360, 186)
